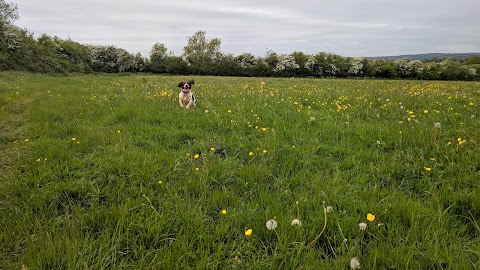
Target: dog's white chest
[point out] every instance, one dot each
(185, 98)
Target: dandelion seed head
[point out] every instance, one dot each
(354, 263)
(271, 224)
(362, 226)
(438, 125)
(296, 223)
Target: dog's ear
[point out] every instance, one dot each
(191, 82)
(180, 84)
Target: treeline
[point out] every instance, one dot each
(20, 50)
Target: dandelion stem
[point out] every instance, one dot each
(298, 210)
(324, 226)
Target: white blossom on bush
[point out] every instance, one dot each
(285, 62)
(356, 66)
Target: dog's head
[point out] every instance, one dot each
(186, 86)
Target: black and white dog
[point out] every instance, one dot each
(186, 98)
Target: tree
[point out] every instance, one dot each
(245, 60)
(200, 51)
(158, 55)
(286, 64)
(356, 66)
(176, 65)
(9, 39)
(472, 60)
(8, 12)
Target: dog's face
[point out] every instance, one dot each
(186, 86)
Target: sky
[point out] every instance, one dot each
(345, 27)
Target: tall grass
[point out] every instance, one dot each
(103, 171)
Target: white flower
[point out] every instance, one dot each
(354, 263)
(271, 224)
(206, 111)
(362, 226)
(329, 209)
(438, 125)
(296, 223)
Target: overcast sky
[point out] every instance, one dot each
(344, 27)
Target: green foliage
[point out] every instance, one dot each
(176, 65)
(201, 52)
(472, 60)
(158, 56)
(8, 12)
(107, 172)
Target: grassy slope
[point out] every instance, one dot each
(82, 157)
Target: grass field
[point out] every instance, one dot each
(107, 172)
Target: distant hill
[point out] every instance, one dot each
(427, 56)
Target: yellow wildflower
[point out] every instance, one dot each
(248, 232)
(370, 217)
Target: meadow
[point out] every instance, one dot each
(108, 172)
